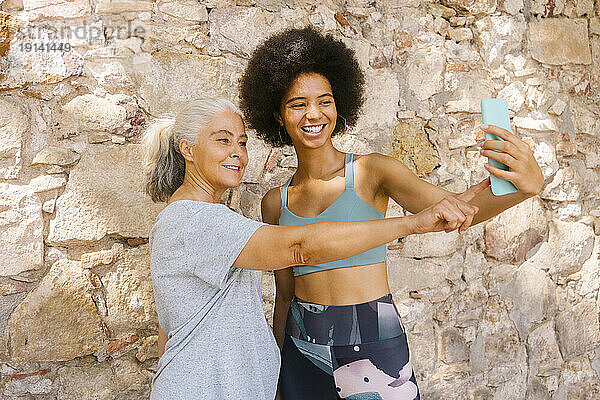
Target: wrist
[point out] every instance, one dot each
(408, 225)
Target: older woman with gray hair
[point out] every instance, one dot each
(206, 259)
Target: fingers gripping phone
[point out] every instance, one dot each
(495, 112)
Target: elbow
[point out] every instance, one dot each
(299, 255)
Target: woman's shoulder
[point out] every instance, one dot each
(271, 205)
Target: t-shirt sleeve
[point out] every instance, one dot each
(214, 237)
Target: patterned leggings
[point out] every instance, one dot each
(354, 352)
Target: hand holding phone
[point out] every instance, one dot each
(495, 112)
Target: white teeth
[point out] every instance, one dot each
(313, 129)
(233, 168)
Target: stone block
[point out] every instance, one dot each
(511, 234)
(544, 354)
(572, 243)
(238, 30)
(540, 125)
(453, 348)
(258, 152)
(168, 80)
(466, 91)
(498, 352)
(52, 9)
(21, 224)
(498, 36)
(382, 94)
(433, 244)
(532, 293)
(185, 10)
(38, 67)
(545, 156)
(129, 294)
(424, 71)
(53, 155)
(566, 185)
(464, 307)
(13, 129)
(407, 274)
(120, 7)
(514, 95)
(95, 113)
(578, 328)
(124, 376)
(412, 146)
(58, 320)
(104, 196)
(559, 41)
(473, 7)
(578, 380)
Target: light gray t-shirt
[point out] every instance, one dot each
(219, 344)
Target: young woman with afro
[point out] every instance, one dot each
(336, 323)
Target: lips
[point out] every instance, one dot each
(236, 168)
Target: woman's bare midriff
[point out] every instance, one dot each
(343, 286)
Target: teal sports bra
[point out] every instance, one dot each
(347, 207)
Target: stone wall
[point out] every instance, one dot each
(507, 311)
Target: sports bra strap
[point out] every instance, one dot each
(284, 192)
(348, 171)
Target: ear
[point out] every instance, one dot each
(185, 148)
(278, 118)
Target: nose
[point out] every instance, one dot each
(313, 111)
(237, 150)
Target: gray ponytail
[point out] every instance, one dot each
(164, 163)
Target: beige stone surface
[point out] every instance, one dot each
(475, 7)
(163, 80)
(104, 196)
(578, 328)
(186, 10)
(498, 352)
(544, 355)
(559, 41)
(21, 224)
(38, 67)
(13, 130)
(498, 36)
(129, 295)
(118, 379)
(572, 243)
(532, 293)
(49, 9)
(54, 155)
(58, 320)
(509, 236)
(118, 7)
(412, 146)
(95, 113)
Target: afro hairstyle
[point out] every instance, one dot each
(277, 62)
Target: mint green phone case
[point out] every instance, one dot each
(495, 112)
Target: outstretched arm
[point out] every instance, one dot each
(401, 184)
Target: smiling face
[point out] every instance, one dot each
(308, 111)
(219, 158)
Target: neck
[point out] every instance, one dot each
(197, 188)
(318, 163)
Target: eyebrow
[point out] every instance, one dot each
(302, 98)
(228, 133)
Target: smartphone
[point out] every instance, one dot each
(495, 112)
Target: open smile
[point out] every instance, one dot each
(236, 168)
(313, 130)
